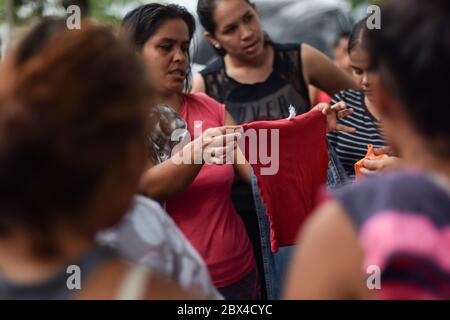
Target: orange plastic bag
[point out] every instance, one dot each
(369, 156)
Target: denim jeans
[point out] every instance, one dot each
(336, 173)
(275, 264)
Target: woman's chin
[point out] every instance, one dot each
(251, 55)
(176, 88)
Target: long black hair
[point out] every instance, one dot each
(143, 22)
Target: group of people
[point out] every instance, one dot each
(83, 183)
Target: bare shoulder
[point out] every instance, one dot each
(321, 72)
(311, 57)
(328, 225)
(328, 260)
(104, 282)
(109, 278)
(310, 53)
(198, 83)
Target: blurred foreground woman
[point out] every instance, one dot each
(72, 149)
(388, 237)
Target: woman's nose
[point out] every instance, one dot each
(246, 32)
(179, 55)
(365, 79)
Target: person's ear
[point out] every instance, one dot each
(213, 41)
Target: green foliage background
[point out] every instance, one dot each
(98, 8)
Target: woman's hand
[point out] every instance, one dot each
(175, 175)
(335, 113)
(216, 145)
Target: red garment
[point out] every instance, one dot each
(205, 213)
(323, 97)
(291, 194)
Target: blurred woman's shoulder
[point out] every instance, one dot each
(148, 236)
(206, 106)
(402, 192)
(120, 280)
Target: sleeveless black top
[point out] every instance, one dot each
(268, 100)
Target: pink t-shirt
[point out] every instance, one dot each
(205, 212)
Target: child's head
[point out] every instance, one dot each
(359, 58)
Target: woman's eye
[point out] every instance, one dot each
(248, 18)
(165, 47)
(230, 30)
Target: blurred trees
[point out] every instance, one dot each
(105, 10)
(356, 3)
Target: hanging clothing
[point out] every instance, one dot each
(290, 194)
(266, 100)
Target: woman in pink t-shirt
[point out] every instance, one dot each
(197, 196)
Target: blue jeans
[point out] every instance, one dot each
(336, 173)
(275, 264)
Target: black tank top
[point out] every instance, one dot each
(268, 100)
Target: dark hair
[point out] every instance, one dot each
(411, 53)
(63, 127)
(340, 36)
(358, 35)
(35, 40)
(205, 12)
(143, 22)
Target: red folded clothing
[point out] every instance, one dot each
(292, 192)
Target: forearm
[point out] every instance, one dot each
(333, 80)
(322, 73)
(172, 177)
